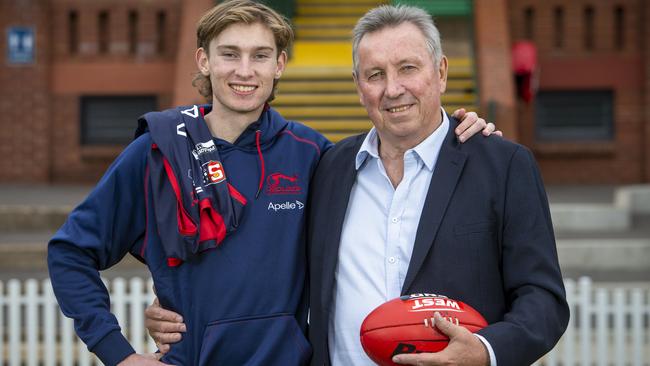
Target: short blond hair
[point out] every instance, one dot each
(231, 12)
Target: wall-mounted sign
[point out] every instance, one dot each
(21, 44)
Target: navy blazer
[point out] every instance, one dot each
(485, 237)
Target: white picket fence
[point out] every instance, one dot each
(34, 332)
(608, 326)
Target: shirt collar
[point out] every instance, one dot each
(427, 150)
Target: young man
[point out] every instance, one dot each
(212, 199)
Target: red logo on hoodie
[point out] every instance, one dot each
(278, 183)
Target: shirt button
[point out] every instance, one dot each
(392, 260)
(395, 220)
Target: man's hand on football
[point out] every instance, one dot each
(464, 349)
(164, 326)
(470, 124)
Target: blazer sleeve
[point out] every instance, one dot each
(108, 224)
(537, 313)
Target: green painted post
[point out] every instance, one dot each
(442, 8)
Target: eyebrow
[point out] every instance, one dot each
(410, 60)
(371, 70)
(233, 47)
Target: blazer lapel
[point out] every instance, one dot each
(443, 183)
(338, 204)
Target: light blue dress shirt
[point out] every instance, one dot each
(377, 240)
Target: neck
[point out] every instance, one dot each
(229, 125)
(392, 158)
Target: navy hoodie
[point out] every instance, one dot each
(244, 300)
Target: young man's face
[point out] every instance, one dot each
(243, 61)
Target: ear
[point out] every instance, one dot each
(282, 63)
(202, 61)
(356, 84)
(442, 71)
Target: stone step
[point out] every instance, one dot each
(314, 10)
(347, 86)
(32, 217)
(344, 2)
(615, 259)
(635, 198)
(566, 217)
(308, 63)
(346, 21)
(46, 208)
(589, 217)
(24, 255)
(346, 99)
(303, 113)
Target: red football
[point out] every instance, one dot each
(404, 325)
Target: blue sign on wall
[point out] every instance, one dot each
(21, 44)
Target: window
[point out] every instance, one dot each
(619, 28)
(574, 115)
(112, 120)
(133, 32)
(529, 23)
(161, 26)
(102, 32)
(558, 20)
(73, 32)
(589, 16)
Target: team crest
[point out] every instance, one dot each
(278, 183)
(213, 172)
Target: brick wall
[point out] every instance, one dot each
(132, 61)
(568, 61)
(25, 113)
(492, 43)
(40, 103)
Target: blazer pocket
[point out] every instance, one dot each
(473, 228)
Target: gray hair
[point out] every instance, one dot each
(391, 16)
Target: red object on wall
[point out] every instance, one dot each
(524, 64)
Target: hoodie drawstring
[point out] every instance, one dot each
(258, 133)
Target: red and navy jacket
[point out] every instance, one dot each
(237, 277)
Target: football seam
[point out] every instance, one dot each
(419, 323)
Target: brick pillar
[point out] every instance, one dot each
(184, 92)
(496, 84)
(25, 116)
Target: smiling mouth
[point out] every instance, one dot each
(398, 109)
(243, 88)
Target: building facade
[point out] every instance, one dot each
(65, 90)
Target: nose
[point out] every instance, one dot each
(244, 69)
(394, 87)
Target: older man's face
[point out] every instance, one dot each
(400, 85)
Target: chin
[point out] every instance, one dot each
(247, 107)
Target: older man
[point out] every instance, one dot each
(407, 209)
